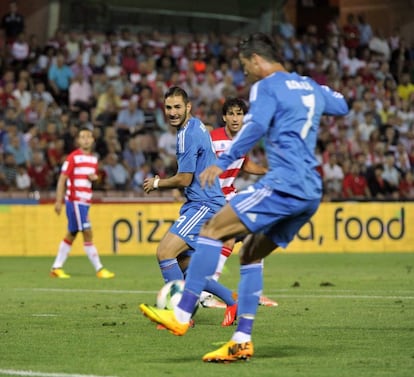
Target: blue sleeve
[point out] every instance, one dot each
(335, 103)
(245, 140)
(257, 120)
(187, 160)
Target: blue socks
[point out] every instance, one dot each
(250, 289)
(220, 291)
(202, 267)
(170, 270)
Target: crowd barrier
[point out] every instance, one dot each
(136, 228)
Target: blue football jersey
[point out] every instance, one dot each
(195, 152)
(285, 109)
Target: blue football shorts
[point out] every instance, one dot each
(77, 214)
(276, 214)
(192, 217)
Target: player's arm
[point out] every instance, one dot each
(180, 180)
(247, 137)
(252, 168)
(60, 192)
(335, 103)
(245, 140)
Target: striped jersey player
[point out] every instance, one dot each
(75, 184)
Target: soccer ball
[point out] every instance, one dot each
(170, 294)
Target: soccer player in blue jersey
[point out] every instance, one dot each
(195, 152)
(285, 109)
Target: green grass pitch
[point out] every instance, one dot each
(338, 315)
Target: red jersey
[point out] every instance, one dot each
(221, 143)
(357, 185)
(77, 167)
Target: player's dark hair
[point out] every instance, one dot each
(260, 44)
(175, 91)
(234, 102)
(86, 127)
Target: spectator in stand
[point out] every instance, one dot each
(7, 98)
(108, 99)
(55, 153)
(402, 159)
(130, 122)
(40, 172)
(365, 32)
(406, 187)
(113, 71)
(405, 88)
(391, 173)
(132, 156)
(97, 60)
(379, 187)
(72, 47)
(3, 180)
(367, 126)
(42, 94)
(19, 52)
(22, 179)
(80, 94)
(19, 149)
(332, 177)
(236, 71)
(69, 137)
(107, 117)
(400, 60)
(22, 95)
(80, 68)
(333, 32)
(13, 23)
(59, 76)
(129, 62)
(9, 171)
(167, 144)
(116, 173)
(355, 185)
(351, 32)
(100, 84)
(139, 176)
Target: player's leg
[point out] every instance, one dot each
(290, 214)
(169, 249)
(250, 287)
(83, 224)
(66, 244)
(223, 225)
(226, 251)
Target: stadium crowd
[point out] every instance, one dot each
(115, 83)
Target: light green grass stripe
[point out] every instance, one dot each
(311, 296)
(12, 372)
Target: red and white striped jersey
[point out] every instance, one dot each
(77, 167)
(221, 143)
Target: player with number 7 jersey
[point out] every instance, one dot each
(287, 108)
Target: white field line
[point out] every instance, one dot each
(30, 373)
(330, 294)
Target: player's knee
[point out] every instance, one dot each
(73, 234)
(208, 230)
(163, 253)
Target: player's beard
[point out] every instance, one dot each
(182, 120)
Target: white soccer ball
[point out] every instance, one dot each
(170, 294)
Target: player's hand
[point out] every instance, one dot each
(149, 184)
(209, 175)
(58, 207)
(92, 177)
